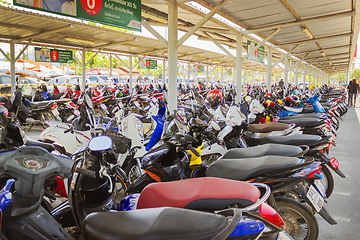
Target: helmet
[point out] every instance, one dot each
(214, 97)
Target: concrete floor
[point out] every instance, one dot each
(344, 204)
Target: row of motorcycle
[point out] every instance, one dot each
(213, 169)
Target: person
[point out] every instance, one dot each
(281, 83)
(353, 89)
(43, 57)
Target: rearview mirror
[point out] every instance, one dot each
(214, 125)
(100, 143)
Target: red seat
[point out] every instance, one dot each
(208, 193)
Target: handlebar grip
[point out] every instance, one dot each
(193, 150)
(67, 130)
(86, 172)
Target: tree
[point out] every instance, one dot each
(340, 77)
(355, 74)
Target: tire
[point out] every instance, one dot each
(99, 112)
(327, 180)
(300, 222)
(65, 116)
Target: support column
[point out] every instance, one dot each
(164, 71)
(83, 67)
(304, 76)
(297, 74)
(110, 65)
(189, 73)
(286, 72)
(238, 78)
(269, 67)
(310, 74)
(207, 76)
(12, 69)
(130, 74)
(222, 76)
(252, 78)
(172, 54)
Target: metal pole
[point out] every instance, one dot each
(238, 61)
(188, 72)
(164, 71)
(172, 54)
(269, 66)
(297, 74)
(207, 76)
(304, 77)
(222, 76)
(130, 74)
(286, 69)
(83, 67)
(110, 65)
(12, 68)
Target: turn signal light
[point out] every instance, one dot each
(270, 214)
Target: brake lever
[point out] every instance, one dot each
(104, 173)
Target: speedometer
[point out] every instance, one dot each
(33, 164)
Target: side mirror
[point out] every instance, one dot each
(215, 126)
(100, 143)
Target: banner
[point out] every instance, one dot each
(53, 55)
(259, 55)
(117, 13)
(148, 63)
(200, 69)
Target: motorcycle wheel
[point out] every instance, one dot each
(327, 180)
(47, 116)
(65, 116)
(99, 112)
(300, 222)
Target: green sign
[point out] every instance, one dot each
(259, 55)
(53, 55)
(151, 64)
(230, 71)
(61, 56)
(200, 68)
(118, 13)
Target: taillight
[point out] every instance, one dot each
(54, 106)
(270, 214)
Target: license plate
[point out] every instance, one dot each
(284, 236)
(334, 163)
(55, 112)
(320, 186)
(103, 106)
(315, 198)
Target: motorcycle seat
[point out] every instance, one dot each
(270, 149)
(270, 127)
(154, 223)
(297, 139)
(293, 109)
(248, 168)
(47, 146)
(303, 122)
(310, 109)
(41, 104)
(3, 99)
(305, 115)
(28, 97)
(63, 100)
(198, 194)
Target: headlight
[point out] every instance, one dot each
(149, 158)
(139, 126)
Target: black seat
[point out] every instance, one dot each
(3, 99)
(305, 115)
(303, 122)
(248, 168)
(270, 149)
(47, 146)
(311, 109)
(154, 223)
(296, 140)
(41, 104)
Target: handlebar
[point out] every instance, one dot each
(67, 130)
(193, 150)
(86, 172)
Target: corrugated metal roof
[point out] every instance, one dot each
(322, 18)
